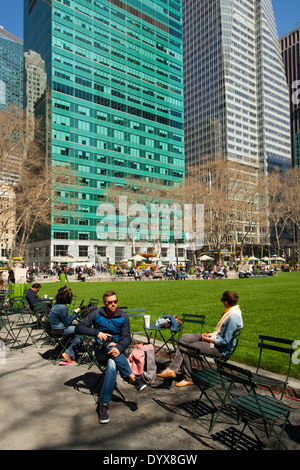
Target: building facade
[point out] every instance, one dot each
(236, 95)
(114, 108)
(11, 69)
(290, 49)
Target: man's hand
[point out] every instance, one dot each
(114, 352)
(103, 336)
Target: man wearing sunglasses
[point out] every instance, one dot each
(212, 344)
(111, 329)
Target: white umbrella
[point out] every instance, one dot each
(205, 258)
(137, 258)
(154, 259)
(62, 259)
(266, 258)
(253, 258)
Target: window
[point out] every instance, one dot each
(83, 250)
(61, 235)
(83, 236)
(119, 253)
(60, 250)
(101, 250)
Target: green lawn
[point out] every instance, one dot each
(269, 306)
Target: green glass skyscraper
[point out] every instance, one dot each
(115, 104)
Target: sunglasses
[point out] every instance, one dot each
(109, 302)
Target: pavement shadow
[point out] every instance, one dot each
(228, 438)
(86, 382)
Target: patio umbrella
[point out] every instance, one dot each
(137, 259)
(62, 259)
(253, 258)
(205, 258)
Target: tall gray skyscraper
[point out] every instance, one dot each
(236, 95)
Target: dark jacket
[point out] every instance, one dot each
(32, 298)
(118, 326)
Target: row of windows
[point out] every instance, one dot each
(117, 105)
(155, 96)
(113, 134)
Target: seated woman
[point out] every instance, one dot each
(212, 344)
(62, 322)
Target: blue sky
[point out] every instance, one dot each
(287, 15)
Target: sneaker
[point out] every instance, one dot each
(103, 413)
(139, 385)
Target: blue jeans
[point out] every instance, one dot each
(73, 348)
(113, 364)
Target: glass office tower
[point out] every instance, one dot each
(11, 69)
(236, 95)
(114, 103)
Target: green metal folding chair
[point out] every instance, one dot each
(136, 326)
(204, 373)
(15, 332)
(193, 318)
(252, 407)
(278, 345)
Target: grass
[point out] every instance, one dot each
(269, 306)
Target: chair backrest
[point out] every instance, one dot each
(133, 314)
(235, 374)
(94, 301)
(41, 309)
(193, 318)
(284, 346)
(233, 343)
(190, 351)
(72, 304)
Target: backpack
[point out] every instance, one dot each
(142, 362)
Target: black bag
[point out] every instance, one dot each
(86, 309)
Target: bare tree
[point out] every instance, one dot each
(26, 173)
(229, 193)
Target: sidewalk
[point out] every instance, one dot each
(49, 407)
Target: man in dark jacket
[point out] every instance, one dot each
(111, 329)
(32, 295)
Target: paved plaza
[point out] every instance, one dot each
(49, 407)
